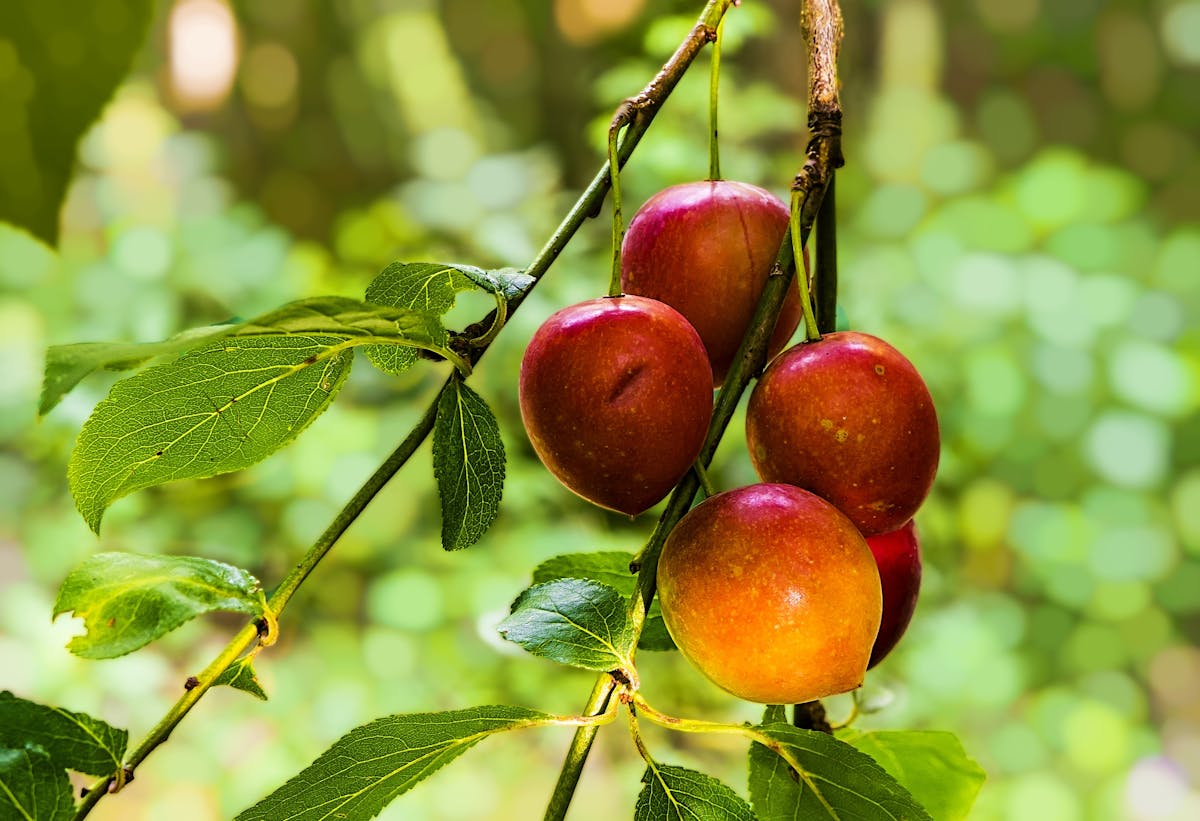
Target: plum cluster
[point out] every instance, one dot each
(780, 592)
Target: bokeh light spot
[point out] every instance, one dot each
(406, 600)
(1128, 449)
(1097, 738)
(202, 41)
(1180, 30)
(1152, 377)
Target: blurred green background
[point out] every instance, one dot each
(1020, 214)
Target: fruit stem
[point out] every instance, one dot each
(618, 232)
(577, 753)
(706, 483)
(636, 732)
(714, 149)
(811, 333)
(690, 725)
(855, 708)
(810, 715)
(825, 281)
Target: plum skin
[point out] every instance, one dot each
(705, 248)
(616, 397)
(772, 593)
(898, 555)
(849, 418)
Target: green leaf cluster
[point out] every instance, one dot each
(578, 622)
(127, 600)
(237, 393)
(38, 744)
(611, 568)
(885, 775)
(59, 72)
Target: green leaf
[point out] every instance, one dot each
(127, 600)
(573, 621)
(611, 568)
(677, 793)
(73, 741)
(932, 765)
(232, 402)
(351, 321)
(506, 283)
(218, 409)
(468, 463)
(67, 365)
(774, 790)
(61, 66)
(837, 782)
(241, 676)
(33, 787)
(430, 287)
(371, 765)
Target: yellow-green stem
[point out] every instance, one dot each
(714, 82)
(618, 232)
(811, 333)
(706, 483)
(581, 745)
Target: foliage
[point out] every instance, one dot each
(57, 76)
(128, 600)
(1040, 274)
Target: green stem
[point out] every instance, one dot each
(618, 233)
(714, 149)
(706, 483)
(826, 277)
(638, 741)
(811, 333)
(689, 725)
(581, 745)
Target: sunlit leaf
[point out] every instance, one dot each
(349, 319)
(74, 741)
(60, 67)
(371, 765)
(241, 676)
(67, 365)
(932, 765)
(837, 782)
(679, 794)
(611, 568)
(507, 283)
(468, 462)
(127, 600)
(572, 621)
(32, 787)
(430, 287)
(217, 409)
